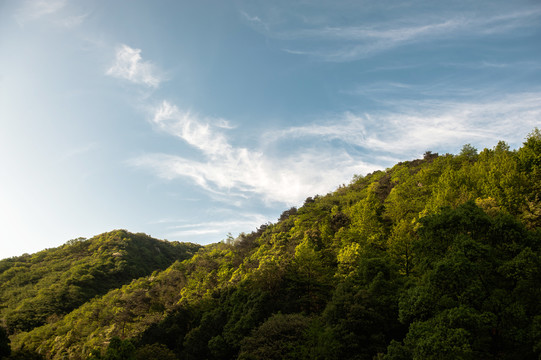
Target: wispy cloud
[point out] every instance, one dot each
(390, 33)
(241, 222)
(404, 30)
(244, 172)
(255, 20)
(502, 23)
(35, 9)
(350, 42)
(129, 66)
(335, 149)
(414, 126)
(190, 128)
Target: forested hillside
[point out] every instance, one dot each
(41, 288)
(435, 258)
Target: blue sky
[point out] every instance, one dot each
(187, 120)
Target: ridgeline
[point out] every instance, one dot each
(435, 258)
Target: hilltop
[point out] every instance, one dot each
(434, 258)
(41, 288)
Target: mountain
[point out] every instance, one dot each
(435, 258)
(41, 288)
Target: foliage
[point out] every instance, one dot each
(5, 349)
(154, 352)
(41, 288)
(23, 354)
(472, 301)
(435, 258)
(280, 337)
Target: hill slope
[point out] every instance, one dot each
(437, 258)
(40, 288)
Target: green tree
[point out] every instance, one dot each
(468, 152)
(433, 258)
(309, 277)
(400, 246)
(530, 164)
(281, 337)
(366, 223)
(25, 355)
(154, 352)
(119, 349)
(476, 297)
(5, 349)
(363, 319)
(530, 153)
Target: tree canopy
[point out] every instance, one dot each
(434, 258)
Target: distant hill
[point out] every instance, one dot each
(435, 258)
(40, 288)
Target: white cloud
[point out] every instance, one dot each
(129, 66)
(287, 180)
(255, 20)
(498, 24)
(247, 172)
(415, 126)
(339, 148)
(400, 30)
(57, 12)
(196, 132)
(351, 42)
(35, 9)
(389, 33)
(242, 222)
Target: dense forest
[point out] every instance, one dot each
(435, 258)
